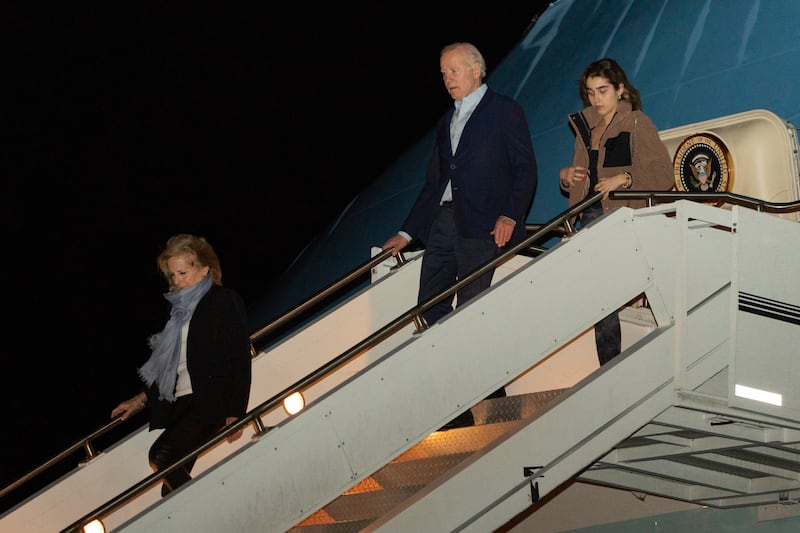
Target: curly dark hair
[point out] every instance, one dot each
(610, 69)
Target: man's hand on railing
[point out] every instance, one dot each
(396, 243)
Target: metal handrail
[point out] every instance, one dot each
(561, 224)
(410, 316)
(323, 294)
(85, 443)
(653, 197)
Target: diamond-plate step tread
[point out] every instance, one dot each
(511, 408)
(332, 527)
(432, 457)
(461, 440)
(368, 505)
(417, 472)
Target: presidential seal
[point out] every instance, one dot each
(702, 164)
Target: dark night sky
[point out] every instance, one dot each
(253, 126)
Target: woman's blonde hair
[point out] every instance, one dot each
(197, 249)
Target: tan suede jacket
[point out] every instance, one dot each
(629, 144)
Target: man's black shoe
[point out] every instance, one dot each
(463, 420)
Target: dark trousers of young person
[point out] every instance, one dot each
(185, 431)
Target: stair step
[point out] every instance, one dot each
(512, 408)
(367, 505)
(332, 527)
(431, 458)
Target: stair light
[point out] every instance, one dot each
(758, 395)
(294, 403)
(95, 526)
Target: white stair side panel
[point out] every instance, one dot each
(767, 357)
(399, 400)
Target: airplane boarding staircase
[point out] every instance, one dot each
(670, 416)
(724, 315)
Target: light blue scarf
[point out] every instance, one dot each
(162, 367)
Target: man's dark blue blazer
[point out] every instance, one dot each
(493, 172)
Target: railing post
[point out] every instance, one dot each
(90, 452)
(259, 427)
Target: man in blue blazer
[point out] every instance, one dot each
(480, 183)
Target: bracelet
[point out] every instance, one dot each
(629, 182)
